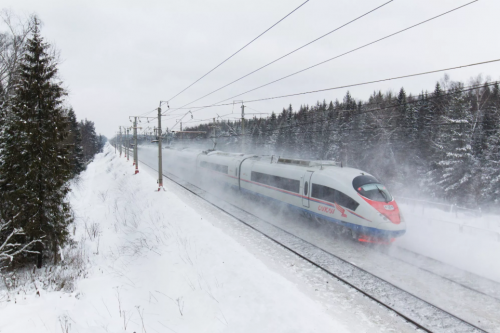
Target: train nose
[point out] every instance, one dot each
(388, 211)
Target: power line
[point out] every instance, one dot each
(376, 81)
(352, 85)
(386, 107)
(253, 40)
(345, 53)
(289, 53)
(148, 112)
(379, 109)
(358, 84)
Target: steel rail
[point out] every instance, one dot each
(441, 276)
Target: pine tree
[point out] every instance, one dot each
(456, 172)
(75, 143)
(345, 125)
(35, 166)
(432, 139)
(331, 132)
(89, 139)
(490, 159)
(404, 140)
(271, 133)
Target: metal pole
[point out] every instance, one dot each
(128, 144)
(120, 141)
(125, 149)
(242, 128)
(182, 136)
(160, 166)
(136, 155)
(214, 134)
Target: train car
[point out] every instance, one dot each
(347, 197)
(181, 162)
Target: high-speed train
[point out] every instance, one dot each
(346, 197)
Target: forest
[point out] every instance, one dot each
(43, 147)
(442, 144)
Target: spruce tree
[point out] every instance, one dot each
(490, 159)
(74, 141)
(283, 137)
(89, 139)
(35, 166)
(456, 169)
(345, 124)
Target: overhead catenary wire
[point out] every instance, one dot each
(393, 106)
(351, 85)
(287, 54)
(345, 53)
(388, 107)
(235, 53)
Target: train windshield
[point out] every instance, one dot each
(370, 188)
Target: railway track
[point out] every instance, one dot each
(474, 283)
(420, 313)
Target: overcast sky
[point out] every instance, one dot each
(120, 58)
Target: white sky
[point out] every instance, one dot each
(120, 58)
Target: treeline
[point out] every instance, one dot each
(443, 144)
(42, 147)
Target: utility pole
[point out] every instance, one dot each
(215, 135)
(242, 128)
(120, 141)
(182, 135)
(160, 166)
(128, 144)
(136, 162)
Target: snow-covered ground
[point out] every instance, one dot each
(170, 262)
(464, 241)
(432, 233)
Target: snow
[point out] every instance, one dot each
(156, 265)
(170, 262)
(468, 242)
(459, 239)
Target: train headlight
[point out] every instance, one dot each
(384, 218)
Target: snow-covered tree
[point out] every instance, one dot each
(457, 167)
(35, 165)
(490, 170)
(74, 141)
(13, 243)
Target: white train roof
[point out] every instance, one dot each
(324, 167)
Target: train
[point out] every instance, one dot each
(348, 198)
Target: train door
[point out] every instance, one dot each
(306, 188)
(234, 171)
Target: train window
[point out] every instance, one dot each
(283, 183)
(370, 188)
(306, 188)
(213, 166)
(331, 195)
